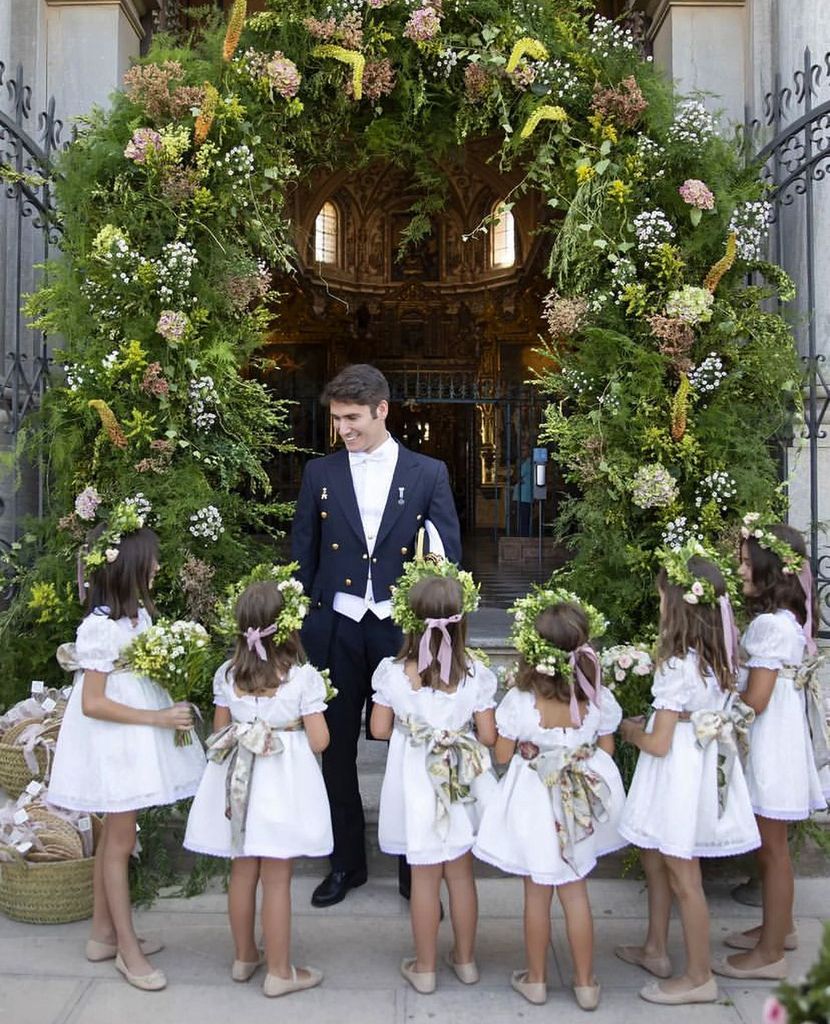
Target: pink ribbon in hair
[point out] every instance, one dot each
(805, 578)
(730, 631)
(591, 692)
(254, 638)
(444, 655)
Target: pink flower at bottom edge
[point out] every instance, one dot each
(774, 1012)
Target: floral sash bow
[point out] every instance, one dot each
(454, 760)
(243, 742)
(730, 729)
(806, 677)
(583, 793)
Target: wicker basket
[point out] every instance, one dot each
(48, 892)
(15, 774)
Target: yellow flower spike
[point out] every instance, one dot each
(679, 407)
(109, 422)
(544, 113)
(356, 61)
(723, 266)
(206, 114)
(525, 47)
(236, 23)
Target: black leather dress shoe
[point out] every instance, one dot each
(334, 887)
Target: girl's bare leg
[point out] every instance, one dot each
(242, 907)
(778, 890)
(461, 884)
(118, 847)
(276, 914)
(687, 888)
(425, 912)
(537, 929)
(580, 927)
(102, 928)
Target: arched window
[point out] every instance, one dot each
(325, 234)
(502, 237)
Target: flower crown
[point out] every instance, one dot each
(536, 650)
(295, 601)
(697, 590)
(760, 532)
(124, 518)
(426, 568)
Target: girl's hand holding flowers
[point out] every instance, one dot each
(179, 717)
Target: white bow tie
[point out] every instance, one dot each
(362, 458)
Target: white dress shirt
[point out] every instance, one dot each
(371, 477)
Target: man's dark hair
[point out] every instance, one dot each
(360, 384)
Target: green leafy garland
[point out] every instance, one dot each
(667, 378)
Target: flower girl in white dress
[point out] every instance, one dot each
(435, 704)
(262, 800)
(788, 743)
(688, 798)
(115, 752)
(557, 808)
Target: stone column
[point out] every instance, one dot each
(701, 45)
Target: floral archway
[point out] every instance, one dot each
(668, 379)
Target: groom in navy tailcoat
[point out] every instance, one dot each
(358, 515)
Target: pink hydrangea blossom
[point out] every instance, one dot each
(86, 503)
(697, 194)
(144, 142)
(423, 25)
(283, 75)
(172, 325)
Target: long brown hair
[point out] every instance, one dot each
(775, 588)
(258, 606)
(123, 585)
(438, 597)
(565, 625)
(699, 626)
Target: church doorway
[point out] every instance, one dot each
(452, 320)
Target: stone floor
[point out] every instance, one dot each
(44, 978)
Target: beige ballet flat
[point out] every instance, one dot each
(274, 985)
(97, 951)
(155, 981)
(776, 971)
(466, 973)
(740, 940)
(244, 970)
(421, 981)
(535, 992)
(659, 966)
(706, 993)
(587, 996)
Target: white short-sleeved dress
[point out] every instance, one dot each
(672, 805)
(519, 830)
(108, 766)
(288, 809)
(407, 817)
(781, 772)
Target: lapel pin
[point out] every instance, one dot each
(324, 495)
(400, 495)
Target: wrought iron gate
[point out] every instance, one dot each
(795, 165)
(29, 230)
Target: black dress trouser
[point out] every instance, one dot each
(351, 651)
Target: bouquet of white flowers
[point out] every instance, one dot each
(176, 655)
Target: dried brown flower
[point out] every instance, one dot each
(564, 316)
(625, 105)
(196, 578)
